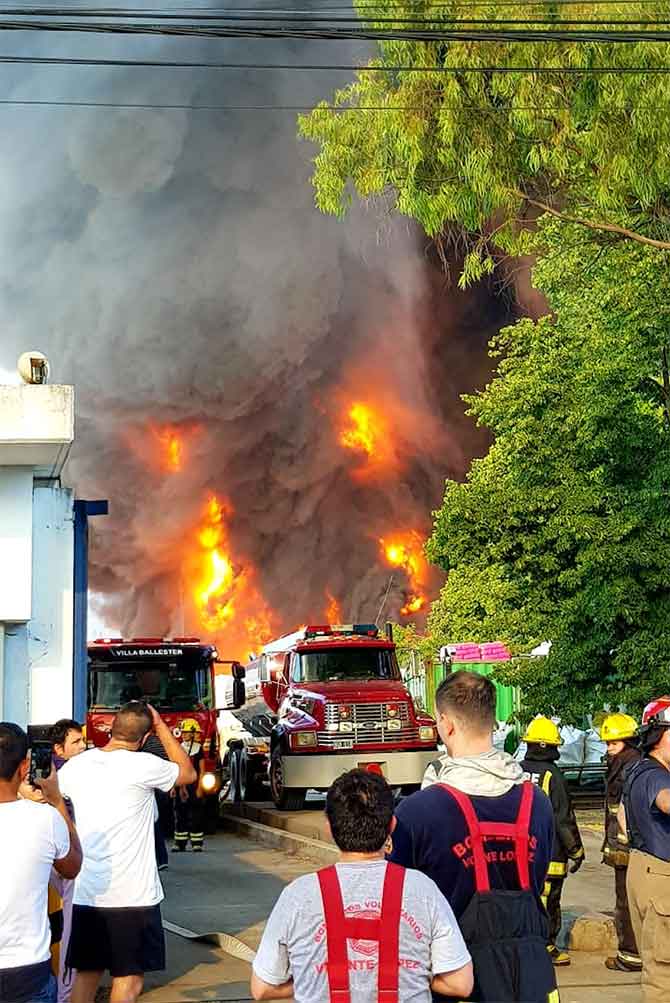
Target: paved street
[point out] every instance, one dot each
(233, 885)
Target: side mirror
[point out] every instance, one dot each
(239, 693)
(239, 672)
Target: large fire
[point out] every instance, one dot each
(365, 431)
(228, 603)
(405, 550)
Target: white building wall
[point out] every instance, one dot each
(16, 533)
(50, 632)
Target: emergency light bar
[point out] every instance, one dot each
(363, 629)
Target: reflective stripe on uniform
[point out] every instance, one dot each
(545, 893)
(613, 809)
(557, 869)
(546, 782)
(553, 996)
(579, 854)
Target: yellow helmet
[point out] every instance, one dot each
(189, 725)
(616, 727)
(542, 731)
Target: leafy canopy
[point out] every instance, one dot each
(472, 154)
(562, 531)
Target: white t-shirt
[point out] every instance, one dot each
(113, 798)
(32, 836)
(294, 940)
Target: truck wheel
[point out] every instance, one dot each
(234, 793)
(285, 798)
(251, 787)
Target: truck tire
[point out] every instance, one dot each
(285, 798)
(234, 793)
(251, 785)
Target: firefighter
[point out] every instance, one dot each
(645, 819)
(189, 806)
(543, 739)
(619, 732)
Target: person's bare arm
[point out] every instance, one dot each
(264, 991)
(174, 750)
(663, 801)
(68, 866)
(458, 983)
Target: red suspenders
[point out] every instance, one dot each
(516, 831)
(385, 930)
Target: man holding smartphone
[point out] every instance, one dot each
(33, 838)
(116, 920)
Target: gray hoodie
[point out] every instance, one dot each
(490, 774)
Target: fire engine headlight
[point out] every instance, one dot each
(208, 782)
(394, 724)
(304, 739)
(346, 726)
(426, 734)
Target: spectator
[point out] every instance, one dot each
(116, 920)
(33, 838)
(67, 741)
(67, 738)
(327, 937)
(458, 831)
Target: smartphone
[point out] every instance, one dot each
(40, 761)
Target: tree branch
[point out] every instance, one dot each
(622, 231)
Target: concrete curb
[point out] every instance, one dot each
(279, 839)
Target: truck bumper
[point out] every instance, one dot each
(318, 772)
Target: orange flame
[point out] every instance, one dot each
(333, 610)
(173, 449)
(228, 604)
(405, 550)
(365, 431)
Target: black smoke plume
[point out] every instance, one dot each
(172, 265)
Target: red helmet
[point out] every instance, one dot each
(657, 713)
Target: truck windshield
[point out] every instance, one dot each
(345, 663)
(167, 685)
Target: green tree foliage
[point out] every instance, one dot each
(562, 532)
(471, 155)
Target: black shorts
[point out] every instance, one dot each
(128, 941)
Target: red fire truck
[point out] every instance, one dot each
(340, 703)
(178, 677)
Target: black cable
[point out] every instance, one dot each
(314, 17)
(331, 67)
(461, 35)
(494, 112)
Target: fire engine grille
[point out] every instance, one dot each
(369, 726)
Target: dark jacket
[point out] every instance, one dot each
(615, 848)
(540, 764)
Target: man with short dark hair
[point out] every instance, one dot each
(116, 921)
(364, 929)
(484, 835)
(33, 838)
(67, 740)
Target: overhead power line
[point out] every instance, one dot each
(243, 29)
(330, 67)
(304, 16)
